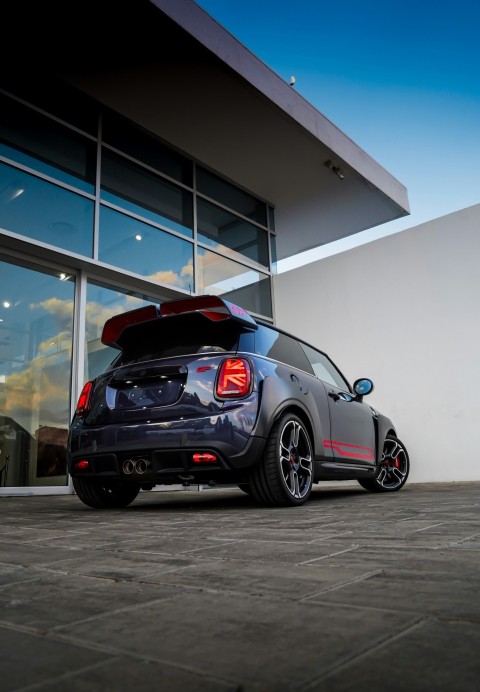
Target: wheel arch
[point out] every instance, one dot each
(384, 427)
(280, 395)
(302, 414)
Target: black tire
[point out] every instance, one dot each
(393, 469)
(284, 476)
(105, 495)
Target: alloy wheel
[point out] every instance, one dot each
(393, 465)
(295, 454)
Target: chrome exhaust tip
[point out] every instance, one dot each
(141, 466)
(128, 467)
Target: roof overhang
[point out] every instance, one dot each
(167, 65)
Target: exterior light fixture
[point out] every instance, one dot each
(11, 192)
(16, 193)
(335, 169)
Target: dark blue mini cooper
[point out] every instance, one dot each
(202, 393)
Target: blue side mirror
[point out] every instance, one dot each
(363, 386)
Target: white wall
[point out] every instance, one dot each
(405, 311)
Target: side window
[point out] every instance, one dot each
(278, 346)
(324, 369)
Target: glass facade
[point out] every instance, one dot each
(41, 143)
(36, 338)
(143, 249)
(104, 302)
(220, 276)
(231, 196)
(146, 194)
(33, 207)
(128, 200)
(231, 235)
(86, 194)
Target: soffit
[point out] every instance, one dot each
(170, 67)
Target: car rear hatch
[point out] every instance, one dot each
(168, 361)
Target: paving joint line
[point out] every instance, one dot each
(347, 661)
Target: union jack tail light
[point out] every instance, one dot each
(84, 400)
(234, 378)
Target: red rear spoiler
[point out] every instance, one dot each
(212, 307)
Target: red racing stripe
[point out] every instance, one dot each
(339, 448)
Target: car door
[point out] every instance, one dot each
(352, 430)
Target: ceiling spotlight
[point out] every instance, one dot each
(335, 169)
(6, 304)
(138, 236)
(11, 192)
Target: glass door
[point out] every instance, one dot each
(36, 330)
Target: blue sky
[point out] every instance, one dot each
(402, 79)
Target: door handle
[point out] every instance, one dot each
(334, 395)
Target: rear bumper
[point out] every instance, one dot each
(167, 447)
(153, 466)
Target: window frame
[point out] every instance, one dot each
(344, 386)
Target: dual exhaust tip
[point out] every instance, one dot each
(138, 466)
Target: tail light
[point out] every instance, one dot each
(234, 378)
(84, 400)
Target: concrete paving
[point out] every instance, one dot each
(207, 591)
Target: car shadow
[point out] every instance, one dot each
(223, 498)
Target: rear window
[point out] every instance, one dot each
(179, 336)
